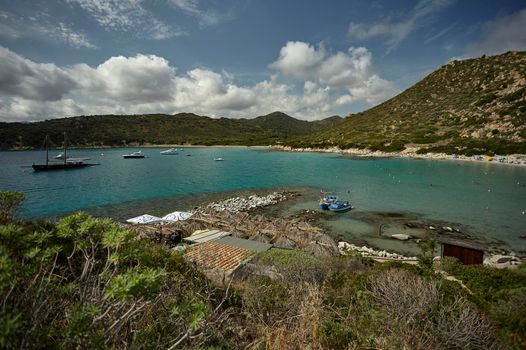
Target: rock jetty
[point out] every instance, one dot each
(241, 204)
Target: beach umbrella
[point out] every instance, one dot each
(144, 219)
(177, 216)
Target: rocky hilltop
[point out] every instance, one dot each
(469, 106)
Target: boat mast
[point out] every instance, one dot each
(47, 149)
(65, 149)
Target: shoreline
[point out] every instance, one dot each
(513, 159)
(410, 153)
(139, 146)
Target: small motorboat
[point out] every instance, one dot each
(218, 159)
(137, 154)
(171, 151)
(339, 206)
(60, 156)
(327, 200)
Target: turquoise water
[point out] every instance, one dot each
(487, 198)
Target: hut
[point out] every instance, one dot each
(468, 253)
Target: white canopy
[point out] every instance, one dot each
(144, 219)
(177, 216)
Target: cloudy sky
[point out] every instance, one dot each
(239, 58)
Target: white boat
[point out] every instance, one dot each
(339, 206)
(70, 159)
(137, 154)
(218, 159)
(59, 156)
(170, 151)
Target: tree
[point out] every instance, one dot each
(9, 202)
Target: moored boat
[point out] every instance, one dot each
(339, 206)
(136, 154)
(327, 200)
(64, 161)
(171, 151)
(218, 159)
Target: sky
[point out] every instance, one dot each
(237, 58)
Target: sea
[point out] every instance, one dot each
(485, 201)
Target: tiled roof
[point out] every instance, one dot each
(209, 255)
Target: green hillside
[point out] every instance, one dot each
(182, 128)
(470, 106)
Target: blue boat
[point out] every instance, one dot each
(340, 206)
(327, 200)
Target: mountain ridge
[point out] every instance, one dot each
(141, 129)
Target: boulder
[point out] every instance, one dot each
(284, 242)
(401, 236)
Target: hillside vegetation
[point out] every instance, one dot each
(469, 106)
(182, 128)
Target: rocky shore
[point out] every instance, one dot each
(232, 215)
(346, 248)
(239, 204)
(515, 159)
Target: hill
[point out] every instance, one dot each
(469, 106)
(182, 128)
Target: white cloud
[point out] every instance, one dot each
(149, 84)
(206, 90)
(440, 34)
(128, 16)
(346, 69)
(208, 17)
(14, 26)
(503, 34)
(351, 71)
(23, 78)
(395, 31)
(299, 59)
(16, 109)
(139, 79)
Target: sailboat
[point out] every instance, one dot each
(64, 162)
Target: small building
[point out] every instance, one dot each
(468, 253)
(219, 255)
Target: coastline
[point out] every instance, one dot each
(139, 146)
(410, 153)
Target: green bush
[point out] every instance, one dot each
(9, 202)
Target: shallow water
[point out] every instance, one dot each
(485, 199)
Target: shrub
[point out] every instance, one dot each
(9, 202)
(88, 283)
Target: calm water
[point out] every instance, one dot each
(487, 198)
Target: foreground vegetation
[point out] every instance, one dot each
(88, 283)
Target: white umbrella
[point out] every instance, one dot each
(177, 216)
(144, 219)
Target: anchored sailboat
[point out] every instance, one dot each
(64, 162)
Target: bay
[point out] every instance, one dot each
(489, 200)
